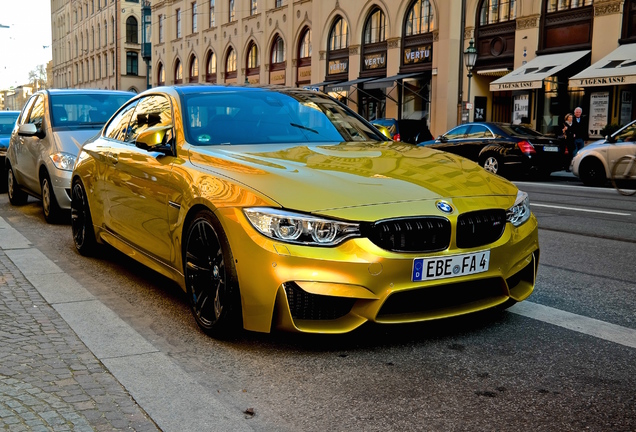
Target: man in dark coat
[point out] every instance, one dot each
(579, 130)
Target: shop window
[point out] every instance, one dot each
(230, 64)
(337, 50)
(305, 45)
(374, 47)
(419, 18)
(375, 27)
(252, 56)
(303, 72)
(278, 51)
(161, 74)
(194, 69)
(178, 72)
(210, 68)
(339, 35)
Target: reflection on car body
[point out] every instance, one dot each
(503, 148)
(284, 209)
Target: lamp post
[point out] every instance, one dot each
(470, 58)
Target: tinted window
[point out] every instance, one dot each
(6, 123)
(458, 133)
(258, 117)
(519, 130)
(479, 131)
(37, 113)
(152, 111)
(84, 109)
(118, 127)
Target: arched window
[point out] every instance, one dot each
(161, 74)
(99, 35)
(105, 32)
(559, 5)
(495, 11)
(92, 38)
(304, 49)
(112, 26)
(178, 72)
(194, 69)
(252, 56)
(419, 18)
(232, 11)
(230, 62)
(76, 47)
(210, 68)
(131, 30)
(339, 35)
(278, 51)
(375, 27)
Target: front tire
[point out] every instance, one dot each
(50, 207)
(210, 274)
(592, 172)
(17, 196)
(81, 221)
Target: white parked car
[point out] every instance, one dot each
(593, 164)
(50, 131)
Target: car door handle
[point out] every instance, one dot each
(112, 158)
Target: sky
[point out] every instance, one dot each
(22, 45)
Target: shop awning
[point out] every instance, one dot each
(616, 68)
(388, 81)
(532, 74)
(494, 72)
(320, 84)
(344, 86)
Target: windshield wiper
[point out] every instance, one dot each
(304, 127)
(90, 123)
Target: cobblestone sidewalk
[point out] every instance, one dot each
(49, 380)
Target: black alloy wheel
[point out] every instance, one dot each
(17, 196)
(50, 207)
(592, 172)
(210, 274)
(81, 221)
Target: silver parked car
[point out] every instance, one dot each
(51, 129)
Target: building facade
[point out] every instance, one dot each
(97, 44)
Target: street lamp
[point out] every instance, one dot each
(470, 58)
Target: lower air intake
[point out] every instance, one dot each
(307, 306)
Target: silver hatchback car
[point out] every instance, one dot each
(51, 129)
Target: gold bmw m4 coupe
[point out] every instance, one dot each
(282, 208)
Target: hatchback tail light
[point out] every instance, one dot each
(526, 147)
(396, 137)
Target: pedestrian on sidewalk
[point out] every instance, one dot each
(579, 130)
(567, 135)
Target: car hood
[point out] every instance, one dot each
(316, 178)
(71, 141)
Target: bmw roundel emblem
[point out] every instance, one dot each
(444, 207)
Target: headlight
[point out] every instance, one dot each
(519, 213)
(298, 228)
(63, 161)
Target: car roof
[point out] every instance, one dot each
(85, 91)
(9, 113)
(198, 88)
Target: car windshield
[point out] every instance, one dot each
(626, 134)
(513, 129)
(84, 109)
(6, 124)
(255, 116)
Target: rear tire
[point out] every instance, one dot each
(81, 221)
(592, 172)
(624, 175)
(50, 207)
(492, 163)
(210, 274)
(17, 196)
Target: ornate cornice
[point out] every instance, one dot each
(610, 7)
(322, 54)
(528, 22)
(393, 43)
(354, 50)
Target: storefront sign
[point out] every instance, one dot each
(603, 81)
(304, 73)
(230, 80)
(254, 79)
(599, 110)
(277, 77)
(626, 107)
(421, 54)
(516, 85)
(521, 108)
(338, 66)
(375, 61)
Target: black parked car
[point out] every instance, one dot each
(504, 148)
(406, 130)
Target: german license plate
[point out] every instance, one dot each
(425, 269)
(551, 148)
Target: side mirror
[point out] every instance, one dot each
(27, 129)
(610, 139)
(156, 139)
(441, 138)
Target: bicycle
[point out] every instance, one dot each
(624, 175)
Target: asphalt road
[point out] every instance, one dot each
(565, 361)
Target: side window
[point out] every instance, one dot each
(478, 131)
(458, 133)
(117, 129)
(37, 113)
(151, 112)
(24, 115)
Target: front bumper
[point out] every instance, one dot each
(61, 182)
(335, 290)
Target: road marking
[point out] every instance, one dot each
(588, 326)
(566, 186)
(580, 209)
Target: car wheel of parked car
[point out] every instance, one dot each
(17, 196)
(492, 163)
(592, 172)
(210, 274)
(52, 211)
(81, 221)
